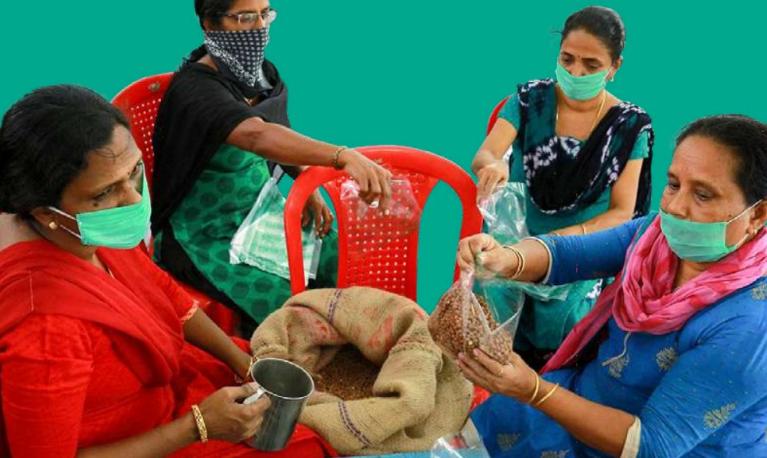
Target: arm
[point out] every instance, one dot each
(622, 202)
(584, 257)
(203, 333)
(199, 330)
(703, 390)
(598, 426)
(285, 146)
(489, 165)
(555, 260)
(495, 145)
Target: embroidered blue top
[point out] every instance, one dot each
(700, 391)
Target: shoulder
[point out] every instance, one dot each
(742, 313)
(630, 110)
(46, 336)
(196, 80)
(524, 90)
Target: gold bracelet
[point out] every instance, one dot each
(201, 428)
(537, 387)
(521, 262)
(337, 156)
(548, 395)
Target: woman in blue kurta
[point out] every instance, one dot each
(583, 155)
(673, 358)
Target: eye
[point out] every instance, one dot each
(702, 196)
(249, 18)
(672, 185)
(103, 194)
(137, 170)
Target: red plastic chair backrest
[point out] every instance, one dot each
(140, 102)
(494, 114)
(374, 252)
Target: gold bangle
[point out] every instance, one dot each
(521, 262)
(548, 395)
(337, 156)
(537, 387)
(200, 421)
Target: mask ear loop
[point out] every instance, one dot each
(61, 226)
(748, 233)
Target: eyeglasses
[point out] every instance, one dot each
(251, 18)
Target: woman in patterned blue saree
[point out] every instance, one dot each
(672, 360)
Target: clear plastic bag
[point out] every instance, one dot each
(464, 444)
(260, 239)
(505, 213)
(403, 212)
(482, 314)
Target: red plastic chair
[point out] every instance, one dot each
(377, 254)
(140, 102)
(494, 114)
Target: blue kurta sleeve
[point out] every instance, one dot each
(592, 256)
(719, 378)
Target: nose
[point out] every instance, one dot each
(131, 194)
(676, 205)
(577, 69)
(260, 22)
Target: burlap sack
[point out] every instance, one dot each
(420, 394)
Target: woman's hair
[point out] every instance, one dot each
(211, 9)
(603, 23)
(747, 139)
(45, 139)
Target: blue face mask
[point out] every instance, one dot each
(699, 242)
(119, 227)
(580, 87)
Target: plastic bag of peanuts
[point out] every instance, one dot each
(482, 314)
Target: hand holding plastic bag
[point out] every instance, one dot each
(260, 239)
(505, 213)
(464, 320)
(402, 210)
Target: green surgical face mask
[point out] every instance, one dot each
(699, 242)
(580, 87)
(119, 227)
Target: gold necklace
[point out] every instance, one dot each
(596, 118)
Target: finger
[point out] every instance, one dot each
(465, 254)
(252, 428)
(306, 217)
(493, 367)
(327, 219)
(470, 372)
(239, 393)
(364, 185)
(386, 192)
(482, 185)
(257, 409)
(476, 367)
(375, 185)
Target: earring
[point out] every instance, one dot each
(53, 226)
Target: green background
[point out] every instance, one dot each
(421, 73)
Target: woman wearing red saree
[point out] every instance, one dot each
(95, 354)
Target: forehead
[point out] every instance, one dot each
(249, 5)
(110, 163)
(703, 159)
(581, 43)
